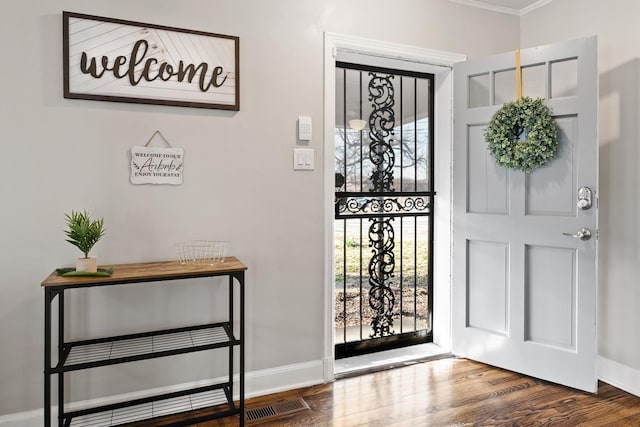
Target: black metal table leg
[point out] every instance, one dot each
(241, 349)
(60, 358)
(48, 296)
(232, 333)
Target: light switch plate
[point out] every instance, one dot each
(303, 159)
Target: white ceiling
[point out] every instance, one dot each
(514, 7)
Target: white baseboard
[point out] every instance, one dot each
(289, 377)
(257, 383)
(619, 375)
(33, 418)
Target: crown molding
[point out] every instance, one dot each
(534, 6)
(502, 9)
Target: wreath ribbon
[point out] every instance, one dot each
(518, 74)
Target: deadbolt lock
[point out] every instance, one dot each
(585, 198)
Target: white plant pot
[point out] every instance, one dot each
(88, 265)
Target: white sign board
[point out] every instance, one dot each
(156, 165)
(108, 59)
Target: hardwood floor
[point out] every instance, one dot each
(449, 392)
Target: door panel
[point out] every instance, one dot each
(550, 271)
(488, 184)
(488, 288)
(524, 293)
(551, 190)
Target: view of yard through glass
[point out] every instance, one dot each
(353, 255)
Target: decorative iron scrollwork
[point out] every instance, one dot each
(381, 234)
(381, 124)
(346, 206)
(381, 297)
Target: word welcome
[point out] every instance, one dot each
(124, 67)
(171, 156)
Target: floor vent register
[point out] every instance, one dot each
(276, 409)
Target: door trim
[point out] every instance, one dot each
(433, 61)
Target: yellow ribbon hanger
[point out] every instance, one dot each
(518, 74)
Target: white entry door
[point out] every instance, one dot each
(524, 289)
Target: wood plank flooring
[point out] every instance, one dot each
(452, 393)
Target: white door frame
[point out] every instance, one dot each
(432, 61)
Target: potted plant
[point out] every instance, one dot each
(84, 233)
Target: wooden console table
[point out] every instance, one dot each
(87, 354)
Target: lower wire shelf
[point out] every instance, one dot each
(211, 402)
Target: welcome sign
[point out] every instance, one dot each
(114, 60)
(156, 165)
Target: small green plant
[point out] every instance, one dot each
(83, 233)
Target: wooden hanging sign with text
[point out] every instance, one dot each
(156, 165)
(109, 59)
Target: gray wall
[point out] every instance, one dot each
(61, 154)
(616, 24)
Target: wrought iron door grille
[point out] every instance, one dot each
(384, 203)
(362, 205)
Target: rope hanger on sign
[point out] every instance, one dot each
(161, 136)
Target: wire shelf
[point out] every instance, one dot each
(146, 411)
(130, 347)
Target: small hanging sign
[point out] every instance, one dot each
(156, 165)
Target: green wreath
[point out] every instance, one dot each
(503, 134)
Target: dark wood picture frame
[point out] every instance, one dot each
(108, 59)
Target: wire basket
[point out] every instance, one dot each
(202, 252)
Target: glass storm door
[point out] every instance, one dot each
(384, 204)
